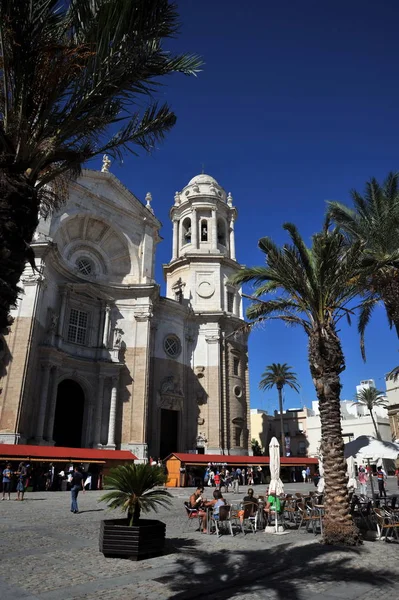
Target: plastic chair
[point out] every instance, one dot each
(222, 520)
(249, 517)
(385, 522)
(192, 515)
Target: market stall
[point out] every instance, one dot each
(186, 469)
(94, 461)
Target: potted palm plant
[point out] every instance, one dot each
(134, 489)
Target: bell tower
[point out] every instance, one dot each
(197, 277)
(203, 255)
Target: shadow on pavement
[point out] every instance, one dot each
(176, 545)
(282, 570)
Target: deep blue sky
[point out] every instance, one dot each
(297, 104)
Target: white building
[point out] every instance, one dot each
(392, 386)
(355, 421)
(365, 385)
(97, 358)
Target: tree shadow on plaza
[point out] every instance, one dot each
(284, 570)
(179, 545)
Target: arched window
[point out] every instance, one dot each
(221, 232)
(84, 266)
(204, 230)
(187, 231)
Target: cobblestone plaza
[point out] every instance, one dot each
(48, 553)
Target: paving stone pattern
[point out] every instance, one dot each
(48, 553)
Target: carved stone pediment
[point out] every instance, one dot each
(170, 402)
(170, 395)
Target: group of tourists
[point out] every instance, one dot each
(199, 503)
(363, 477)
(21, 474)
(17, 480)
(221, 477)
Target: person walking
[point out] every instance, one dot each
(308, 474)
(381, 478)
(7, 476)
(236, 481)
(362, 479)
(21, 485)
(304, 475)
(77, 484)
(397, 476)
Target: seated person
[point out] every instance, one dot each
(250, 503)
(196, 501)
(273, 504)
(216, 503)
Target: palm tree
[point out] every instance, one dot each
(371, 398)
(313, 288)
(77, 79)
(278, 375)
(374, 221)
(132, 490)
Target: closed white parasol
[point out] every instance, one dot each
(320, 485)
(350, 465)
(276, 485)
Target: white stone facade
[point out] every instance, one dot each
(355, 421)
(97, 358)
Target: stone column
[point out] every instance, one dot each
(101, 323)
(106, 326)
(214, 230)
(53, 405)
(232, 240)
(112, 414)
(43, 401)
(194, 229)
(61, 319)
(175, 238)
(98, 412)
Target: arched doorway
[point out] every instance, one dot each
(69, 409)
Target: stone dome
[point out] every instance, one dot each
(202, 178)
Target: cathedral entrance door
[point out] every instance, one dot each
(169, 432)
(69, 414)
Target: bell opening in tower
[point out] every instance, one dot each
(204, 230)
(221, 231)
(187, 231)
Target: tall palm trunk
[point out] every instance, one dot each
(377, 433)
(18, 221)
(282, 436)
(326, 361)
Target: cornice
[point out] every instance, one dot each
(185, 260)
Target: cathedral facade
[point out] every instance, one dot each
(98, 358)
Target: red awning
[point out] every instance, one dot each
(220, 459)
(59, 454)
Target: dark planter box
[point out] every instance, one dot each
(145, 540)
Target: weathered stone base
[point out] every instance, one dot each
(238, 452)
(139, 450)
(11, 438)
(214, 451)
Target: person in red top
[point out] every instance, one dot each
(216, 479)
(397, 476)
